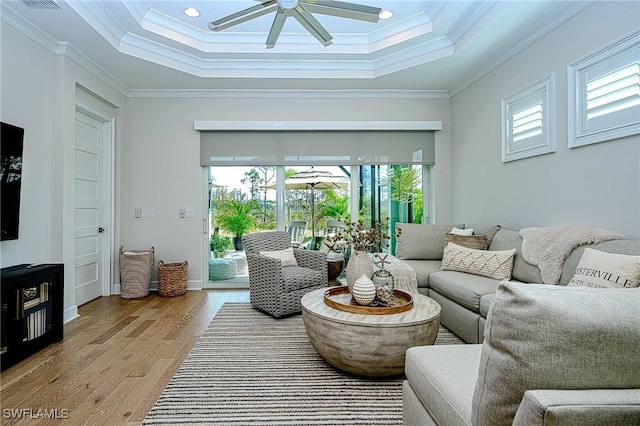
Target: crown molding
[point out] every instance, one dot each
(290, 94)
(27, 29)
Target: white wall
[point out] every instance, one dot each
(27, 99)
(596, 185)
(38, 92)
(162, 152)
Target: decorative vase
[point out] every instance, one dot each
(359, 264)
(364, 290)
(384, 282)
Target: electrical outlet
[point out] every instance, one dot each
(190, 213)
(138, 213)
(181, 213)
(147, 212)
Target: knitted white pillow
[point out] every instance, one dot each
(492, 264)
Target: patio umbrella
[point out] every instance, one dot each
(313, 179)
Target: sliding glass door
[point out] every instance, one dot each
(307, 202)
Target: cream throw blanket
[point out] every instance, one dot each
(548, 248)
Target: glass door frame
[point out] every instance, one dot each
(354, 199)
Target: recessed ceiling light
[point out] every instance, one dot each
(385, 14)
(192, 12)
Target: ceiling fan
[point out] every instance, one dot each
(301, 11)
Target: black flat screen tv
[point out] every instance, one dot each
(11, 142)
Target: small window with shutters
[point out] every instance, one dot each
(527, 121)
(604, 94)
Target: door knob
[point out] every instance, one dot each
(100, 230)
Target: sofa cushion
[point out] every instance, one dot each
(485, 303)
(492, 264)
(554, 337)
(478, 242)
(442, 377)
(464, 289)
(522, 271)
(421, 241)
(630, 247)
(606, 270)
(610, 407)
(423, 268)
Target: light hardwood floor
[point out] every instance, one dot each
(114, 361)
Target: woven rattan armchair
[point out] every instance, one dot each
(276, 289)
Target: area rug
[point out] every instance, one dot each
(249, 368)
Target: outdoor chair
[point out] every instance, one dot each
(274, 287)
(296, 231)
(334, 226)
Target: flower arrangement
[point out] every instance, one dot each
(364, 239)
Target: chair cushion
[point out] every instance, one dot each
(286, 256)
(298, 277)
(541, 336)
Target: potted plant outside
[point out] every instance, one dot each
(237, 217)
(219, 244)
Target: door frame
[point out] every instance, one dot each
(108, 193)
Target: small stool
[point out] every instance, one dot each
(241, 263)
(222, 269)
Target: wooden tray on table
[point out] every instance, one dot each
(340, 298)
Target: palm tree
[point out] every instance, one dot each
(403, 181)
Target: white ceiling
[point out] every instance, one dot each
(427, 45)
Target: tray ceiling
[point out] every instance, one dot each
(426, 45)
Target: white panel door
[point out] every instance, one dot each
(88, 215)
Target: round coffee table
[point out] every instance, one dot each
(368, 345)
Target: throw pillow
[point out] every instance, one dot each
(421, 241)
(478, 242)
(286, 256)
(489, 231)
(458, 231)
(491, 264)
(606, 270)
(540, 336)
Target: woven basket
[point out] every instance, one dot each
(135, 272)
(172, 278)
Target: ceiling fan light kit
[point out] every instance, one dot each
(301, 10)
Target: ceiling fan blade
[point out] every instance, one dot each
(312, 25)
(276, 27)
(343, 9)
(243, 15)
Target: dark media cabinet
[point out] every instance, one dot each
(32, 304)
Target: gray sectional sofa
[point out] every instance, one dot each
(465, 298)
(549, 354)
(552, 356)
